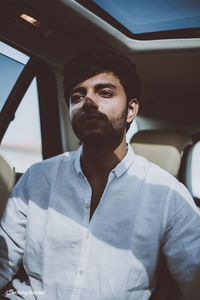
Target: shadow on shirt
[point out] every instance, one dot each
(120, 241)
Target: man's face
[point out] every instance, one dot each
(98, 108)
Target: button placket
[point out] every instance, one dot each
(82, 266)
(85, 244)
(87, 205)
(76, 294)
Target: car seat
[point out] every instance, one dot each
(161, 147)
(165, 149)
(7, 180)
(190, 171)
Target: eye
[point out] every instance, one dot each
(76, 97)
(106, 93)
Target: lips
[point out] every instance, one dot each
(90, 118)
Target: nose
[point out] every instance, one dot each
(89, 104)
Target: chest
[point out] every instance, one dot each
(117, 232)
(98, 188)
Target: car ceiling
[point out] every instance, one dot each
(170, 69)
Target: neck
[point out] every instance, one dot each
(99, 158)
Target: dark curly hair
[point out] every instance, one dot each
(92, 62)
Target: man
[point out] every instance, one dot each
(92, 224)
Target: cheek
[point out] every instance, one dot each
(117, 108)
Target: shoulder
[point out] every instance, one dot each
(161, 183)
(153, 174)
(53, 163)
(43, 174)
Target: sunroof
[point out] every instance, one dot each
(149, 16)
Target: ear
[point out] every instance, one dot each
(133, 107)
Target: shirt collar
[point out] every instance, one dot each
(121, 167)
(77, 162)
(125, 163)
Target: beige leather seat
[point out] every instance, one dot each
(7, 180)
(161, 147)
(164, 149)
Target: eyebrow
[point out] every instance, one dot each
(100, 86)
(78, 90)
(97, 87)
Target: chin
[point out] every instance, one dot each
(99, 135)
(93, 136)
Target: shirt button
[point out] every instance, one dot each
(76, 292)
(81, 272)
(87, 205)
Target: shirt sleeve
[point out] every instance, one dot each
(182, 241)
(13, 232)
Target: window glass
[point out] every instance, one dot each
(13, 53)
(21, 144)
(12, 63)
(153, 16)
(9, 72)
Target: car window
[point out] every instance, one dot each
(10, 69)
(21, 144)
(149, 20)
(9, 72)
(150, 16)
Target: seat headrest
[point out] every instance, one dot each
(7, 180)
(191, 170)
(161, 147)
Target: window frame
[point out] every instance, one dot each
(48, 104)
(49, 111)
(16, 94)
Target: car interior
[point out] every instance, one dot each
(167, 57)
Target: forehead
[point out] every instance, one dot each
(101, 78)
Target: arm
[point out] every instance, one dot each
(181, 244)
(13, 232)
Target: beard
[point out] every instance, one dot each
(104, 130)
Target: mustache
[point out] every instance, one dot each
(96, 115)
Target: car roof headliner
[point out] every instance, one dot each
(169, 68)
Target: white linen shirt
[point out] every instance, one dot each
(116, 254)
